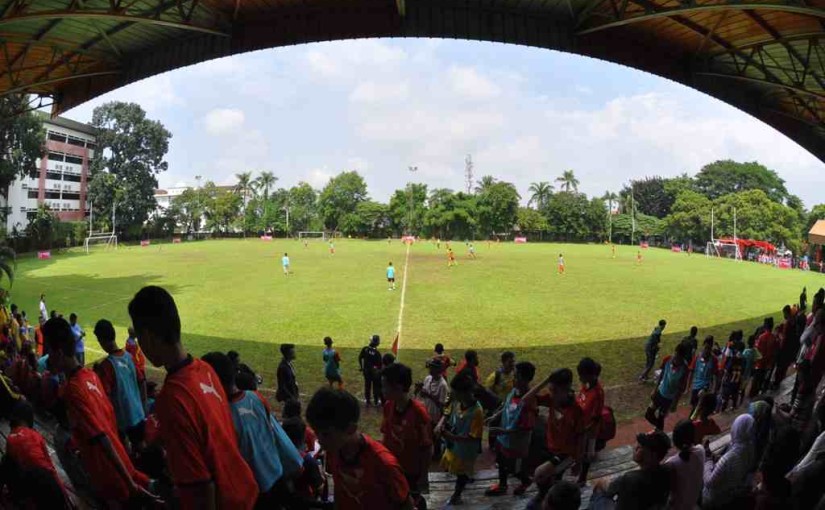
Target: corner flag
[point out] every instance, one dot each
(395, 346)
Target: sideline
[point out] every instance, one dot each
(403, 298)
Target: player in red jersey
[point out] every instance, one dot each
(27, 470)
(112, 475)
(366, 475)
(407, 428)
(196, 427)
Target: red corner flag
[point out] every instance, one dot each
(395, 346)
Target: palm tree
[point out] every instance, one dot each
(540, 193)
(610, 197)
(244, 186)
(265, 181)
(484, 183)
(568, 181)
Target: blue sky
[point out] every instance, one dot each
(379, 106)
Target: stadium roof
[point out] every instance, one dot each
(765, 57)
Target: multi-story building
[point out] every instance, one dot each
(60, 177)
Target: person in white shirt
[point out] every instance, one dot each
(686, 468)
(433, 394)
(44, 312)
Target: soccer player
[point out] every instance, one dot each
(591, 400)
(652, 348)
(285, 264)
(613, 250)
(258, 435)
(332, 364)
(306, 244)
(638, 257)
(331, 247)
(118, 375)
(462, 429)
(407, 428)
(365, 474)
(704, 371)
(197, 429)
(669, 388)
(390, 277)
(451, 258)
(79, 335)
(561, 264)
(471, 251)
(112, 475)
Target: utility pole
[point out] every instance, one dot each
(632, 215)
(410, 204)
(468, 173)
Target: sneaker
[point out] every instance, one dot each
(496, 490)
(521, 489)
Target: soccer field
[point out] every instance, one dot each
(232, 294)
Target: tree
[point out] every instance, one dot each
(540, 193)
(370, 219)
(484, 183)
(341, 196)
(129, 156)
(530, 221)
(689, 218)
(188, 209)
(264, 182)
(43, 227)
(498, 208)
(21, 139)
(724, 177)
(399, 208)
(303, 207)
(572, 217)
(567, 181)
(610, 198)
(651, 196)
(221, 208)
(450, 215)
(245, 185)
(758, 217)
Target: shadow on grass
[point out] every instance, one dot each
(622, 360)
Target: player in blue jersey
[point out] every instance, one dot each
(390, 277)
(285, 264)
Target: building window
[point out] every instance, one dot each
(57, 137)
(74, 159)
(76, 141)
(53, 194)
(33, 194)
(71, 178)
(91, 146)
(55, 156)
(56, 176)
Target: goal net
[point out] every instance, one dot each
(723, 249)
(312, 235)
(108, 240)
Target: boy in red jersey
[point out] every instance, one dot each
(591, 401)
(196, 427)
(407, 428)
(92, 418)
(133, 348)
(27, 470)
(365, 473)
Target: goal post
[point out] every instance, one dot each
(309, 235)
(108, 239)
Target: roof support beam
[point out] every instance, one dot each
(30, 88)
(762, 82)
(695, 9)
(109, 16)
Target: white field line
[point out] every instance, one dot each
(403, 296)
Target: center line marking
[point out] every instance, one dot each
(403, 296)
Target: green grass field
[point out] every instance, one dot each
(232, 295)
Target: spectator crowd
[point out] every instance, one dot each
(207, 438)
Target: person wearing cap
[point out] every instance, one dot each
(369, 361)
(646, 487)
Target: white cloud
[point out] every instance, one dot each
(318, 178)
(468, 83)
(369, 92)
(221, 121)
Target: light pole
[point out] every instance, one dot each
(200, 201)
(410, 204)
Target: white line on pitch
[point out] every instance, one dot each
(403, 295)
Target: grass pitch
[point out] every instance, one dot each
(232, 294)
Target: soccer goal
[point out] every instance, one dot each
(312, 235)
(723, 249)
(109, 240)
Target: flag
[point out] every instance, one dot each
(395, 345)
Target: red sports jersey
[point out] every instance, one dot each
(373, 481)
(137, 356)
(91, 416)
(766, 344)
(406, 433)
(199, 436)
(27, 448)
(106, 372)
(591, 402)
(310, 438)
(564, 427)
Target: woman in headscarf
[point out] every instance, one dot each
(760, 410)
(728, 479)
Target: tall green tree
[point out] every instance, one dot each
(21, 139)
(568, 181)
(303, 207)
(265, 182)
(451, 215)
(370, 219)
(484, 183)
(130, 154)
(497, 208)
(540, 193)
(572, 217)
(401, 218)
(610, 198)
(188, 209)
(689, 218)
(651, 196)
(724, 177)
(531, 221)
(221, 208)
(245, 185)
(341, 196)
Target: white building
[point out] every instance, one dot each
(60, 176)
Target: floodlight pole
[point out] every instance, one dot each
(412, 170)
(91, 215)
(711, 224)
